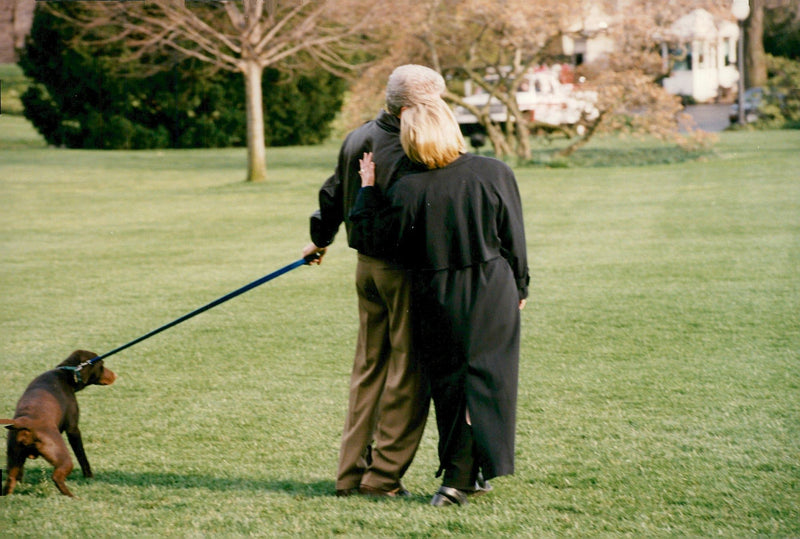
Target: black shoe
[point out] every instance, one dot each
(448, 496)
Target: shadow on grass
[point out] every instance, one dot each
(35, 478)
(212, 483)
(293, 487)
(621, 156)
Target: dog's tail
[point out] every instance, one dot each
(21, 428)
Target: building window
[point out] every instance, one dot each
(726, 50)
(683, 58)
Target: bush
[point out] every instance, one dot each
(79, 98)
(781, 105)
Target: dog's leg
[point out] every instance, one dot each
(14, 476)
(52, 447)
(76, 442)
(16, 457)
(11, 481)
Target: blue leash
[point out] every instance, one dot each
(258, 282)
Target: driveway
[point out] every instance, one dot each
(710, 118)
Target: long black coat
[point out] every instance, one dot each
(460, 229)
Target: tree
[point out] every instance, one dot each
(470, 39)
(782, 28)
(755, 63)
(771, 22)
(242, 36)
(467, 39)
(79, 100)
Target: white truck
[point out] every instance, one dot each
(542, 97)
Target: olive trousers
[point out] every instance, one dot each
(389, 397)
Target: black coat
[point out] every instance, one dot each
(460, 229)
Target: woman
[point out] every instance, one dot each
(459, 227)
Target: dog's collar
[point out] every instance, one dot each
(76, 373)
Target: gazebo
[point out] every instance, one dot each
(703, 53)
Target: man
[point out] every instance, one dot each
(389, 399)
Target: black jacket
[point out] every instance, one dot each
(338, 194)
(464, 214)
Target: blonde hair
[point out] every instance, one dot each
(410, 84)
(430, 134)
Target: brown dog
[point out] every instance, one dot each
(46, 409)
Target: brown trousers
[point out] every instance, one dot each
(389, 398)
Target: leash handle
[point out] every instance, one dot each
(246, 288)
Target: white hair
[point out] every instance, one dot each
(411, 84)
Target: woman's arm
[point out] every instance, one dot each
(373, 222)
(512, 231)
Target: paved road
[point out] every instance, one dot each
(710, 118)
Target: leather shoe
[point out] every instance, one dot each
(448, 496)
(344, 492)
(399, 492)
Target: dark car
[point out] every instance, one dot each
(753, 97)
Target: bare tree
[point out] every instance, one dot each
(243, 36)
(466, 39)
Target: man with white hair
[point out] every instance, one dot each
(389, 398)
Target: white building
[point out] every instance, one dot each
(700, 49)
(704, 56)
(588, 40)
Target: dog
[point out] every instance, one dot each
(47, 408)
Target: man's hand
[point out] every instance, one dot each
(311, 249)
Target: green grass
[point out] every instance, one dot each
(660, 370)
(14, 84)
(16, 133)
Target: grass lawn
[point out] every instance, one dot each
(660, 371)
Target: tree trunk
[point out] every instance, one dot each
(754, 56)
(500, 145)
(523, 134)
(256, 152)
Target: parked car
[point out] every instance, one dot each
(753, 97)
